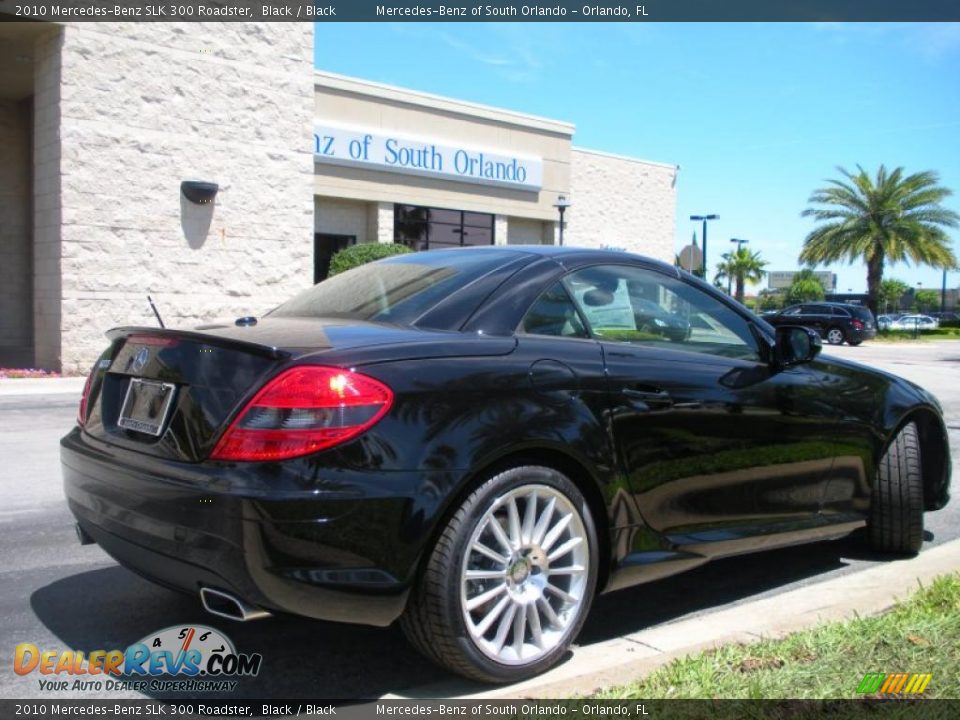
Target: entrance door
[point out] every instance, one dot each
(325, 246)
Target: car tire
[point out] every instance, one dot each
(896, 507)
(447, 620)
(854, 342)
(835, 336)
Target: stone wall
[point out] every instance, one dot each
(622, 203)
(16, 321)
(145, 106)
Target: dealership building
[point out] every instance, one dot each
(102, 124)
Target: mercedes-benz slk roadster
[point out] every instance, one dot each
(477, 441)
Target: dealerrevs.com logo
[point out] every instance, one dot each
(193, 658)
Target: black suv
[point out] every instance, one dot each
(836, 322)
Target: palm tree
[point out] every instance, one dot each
(741, 266)
(890, 218)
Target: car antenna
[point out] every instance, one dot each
(159, 319)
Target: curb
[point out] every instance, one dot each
(42, 386)
(618, 661)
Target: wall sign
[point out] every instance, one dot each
(395, 153)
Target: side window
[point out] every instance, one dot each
(795, 310)
(625, 303)
(554, 314)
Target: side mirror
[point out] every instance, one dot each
(796, 345)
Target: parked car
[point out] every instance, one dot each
(887, 321)
(836, 322)
(458, 440)
(916, 322)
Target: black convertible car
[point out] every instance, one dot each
(477, 441)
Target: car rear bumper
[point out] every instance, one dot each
(347, 553)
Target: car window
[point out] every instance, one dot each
(816, 310)
(840, 312)
(398, 289)
(795, 310)
(554, 314)
(630, 304)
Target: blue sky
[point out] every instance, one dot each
(756, 115)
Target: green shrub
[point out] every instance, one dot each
(356, 255)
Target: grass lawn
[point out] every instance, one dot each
(920, 635)
(947, 333)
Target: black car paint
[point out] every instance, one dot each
(339, 534)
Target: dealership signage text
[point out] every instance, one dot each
(349, 146)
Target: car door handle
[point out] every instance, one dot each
(651, 397)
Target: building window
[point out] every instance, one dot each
(422, 228)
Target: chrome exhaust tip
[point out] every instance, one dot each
(225, 605)
(83, 536)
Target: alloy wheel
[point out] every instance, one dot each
(523, 580)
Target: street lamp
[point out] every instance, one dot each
(561, 205)
(704, 218)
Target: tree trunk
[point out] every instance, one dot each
(740, 289)
(874, 278)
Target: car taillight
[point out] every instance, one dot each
(82, 412)
(303, 410)
(857, 324)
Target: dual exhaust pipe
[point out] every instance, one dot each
(216, 602)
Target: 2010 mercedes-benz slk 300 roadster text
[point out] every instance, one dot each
(477, 441)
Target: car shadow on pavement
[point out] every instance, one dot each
(719, 583)
(112, 608)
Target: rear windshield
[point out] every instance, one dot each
(860, 312)
(397, 290)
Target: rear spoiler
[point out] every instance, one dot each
(252, 348)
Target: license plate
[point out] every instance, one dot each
(146, 406)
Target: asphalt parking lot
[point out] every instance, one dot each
(57, 594)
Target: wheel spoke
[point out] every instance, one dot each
(529, 517)
(485, 574)
(568, 570)
(478, 600)
(544, 522)
(548, 613)
(564, 549)
(505, 622)
(555, 532)
(500, 535)
(567, 598)
(491, 616)
(533, 618)
(492, 554)
(513, 522)
(519, 630)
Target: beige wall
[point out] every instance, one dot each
(621, 203)
(47, 203)
(16, 321)
(357, 103)
(143, 107)
(344, 217)
(522, 231)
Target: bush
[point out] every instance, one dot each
(356, 255)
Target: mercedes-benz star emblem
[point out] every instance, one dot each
(140, 359)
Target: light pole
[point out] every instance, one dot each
(740, 243)
(561, 205)
(704, 218)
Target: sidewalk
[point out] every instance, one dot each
(42, 386)
(618, 661)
